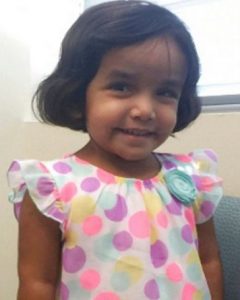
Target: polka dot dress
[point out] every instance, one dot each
(125, 238)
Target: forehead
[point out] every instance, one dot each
(156, 57)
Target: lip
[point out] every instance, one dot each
(136, 132)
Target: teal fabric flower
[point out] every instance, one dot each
(181, 186)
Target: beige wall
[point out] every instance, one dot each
(19, 139)
(219, 131)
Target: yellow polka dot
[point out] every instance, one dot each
(203, 165)
(82, 207)
(120, 180)
(131, 265)
(153, 203)
(59, 205)
(192, 257)
(197, 203)
(154, 235)
(71, 239)
(160, 177)
(198, 295)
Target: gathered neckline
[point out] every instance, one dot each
(156, 177)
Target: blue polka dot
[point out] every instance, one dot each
(120, 281)
(104, 248)
(177, 244)
(194, 272)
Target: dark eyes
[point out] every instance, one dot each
(168, 93)
(121, 87)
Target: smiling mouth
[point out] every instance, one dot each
(136, 132)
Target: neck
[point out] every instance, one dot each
(143, 169)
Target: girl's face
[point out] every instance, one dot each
(133, 99)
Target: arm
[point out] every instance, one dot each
(209, 255)
(39, 254)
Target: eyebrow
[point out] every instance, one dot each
(173, 83)
(121, 74)
(128, 75)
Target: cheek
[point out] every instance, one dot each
(105, 110)
(167, 117)
(100, 119)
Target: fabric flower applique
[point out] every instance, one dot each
(181, 186)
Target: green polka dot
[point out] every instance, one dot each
(104, 249)
(194, 272)
(82, 170)
(206, 296)
(108, 200)
(120, 281)
(164, 194)
(213, 196)
(76, 290)
(168, 289)
(177, 244)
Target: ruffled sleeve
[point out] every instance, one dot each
(35, 177)
(208, 184)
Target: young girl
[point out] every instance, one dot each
(115, 220)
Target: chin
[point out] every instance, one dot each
(134, 156)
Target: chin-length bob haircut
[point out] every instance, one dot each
(60, 98)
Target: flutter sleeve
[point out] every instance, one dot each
(33, 176)
(208, 184)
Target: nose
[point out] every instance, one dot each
(143, 108)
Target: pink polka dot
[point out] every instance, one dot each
(204, 183)
(189, 215)
(156, 179)
(90, 279)
(79, 160)
(92, 225)
(105, 176)
(139, 225)
(183, 158)
(174, 273)
(162, 219)
(43, 168)
(68, 191)
(107, 296)
(188, 292)
(138, 185)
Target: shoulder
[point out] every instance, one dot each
(196, 162)
(194, 177)
(35, 170)
(44, 182)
